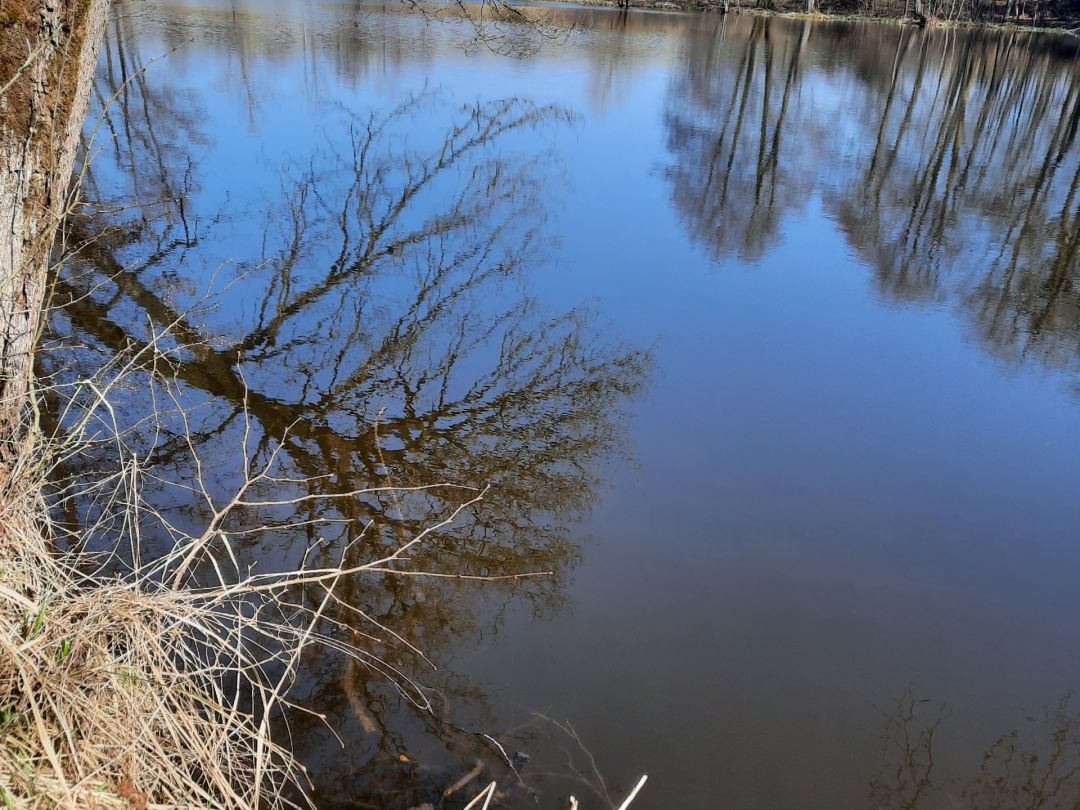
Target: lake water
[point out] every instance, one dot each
(764, 333)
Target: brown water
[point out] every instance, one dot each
(764, 333)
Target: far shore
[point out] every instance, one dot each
(1069, 28)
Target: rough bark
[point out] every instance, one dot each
(41, 115)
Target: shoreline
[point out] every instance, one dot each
(1069, 28)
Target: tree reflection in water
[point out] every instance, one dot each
(386, 328)
(385, 336)
(1036, 767)
(947, 159)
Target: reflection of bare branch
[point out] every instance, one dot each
(907, 755)
(1039, 774)
(390, 342)
(497, 25)
(1045, 773)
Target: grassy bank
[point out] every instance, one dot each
(116, 689)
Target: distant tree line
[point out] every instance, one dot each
(1049, 13)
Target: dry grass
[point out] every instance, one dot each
(112, 688)
(120, 690)
(132, 682)
(153, 683)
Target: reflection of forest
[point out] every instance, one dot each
(948, 160)
(385, 329)
(354, 39)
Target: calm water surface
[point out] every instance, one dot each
(765, 334)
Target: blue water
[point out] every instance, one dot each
(809, 459)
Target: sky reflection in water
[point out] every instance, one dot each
(764, 332)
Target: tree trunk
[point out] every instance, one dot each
(46, 88)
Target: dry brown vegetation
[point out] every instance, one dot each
(153, 682)
(119, 684)
(108, 698)
(130, 679)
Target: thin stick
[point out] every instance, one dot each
(485, 794)
(634, 792)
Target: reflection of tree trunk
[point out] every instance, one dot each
(37, 154)
(748, 78)
(905, 123)
(793, 71)
(1059, 282)
(763, 135)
